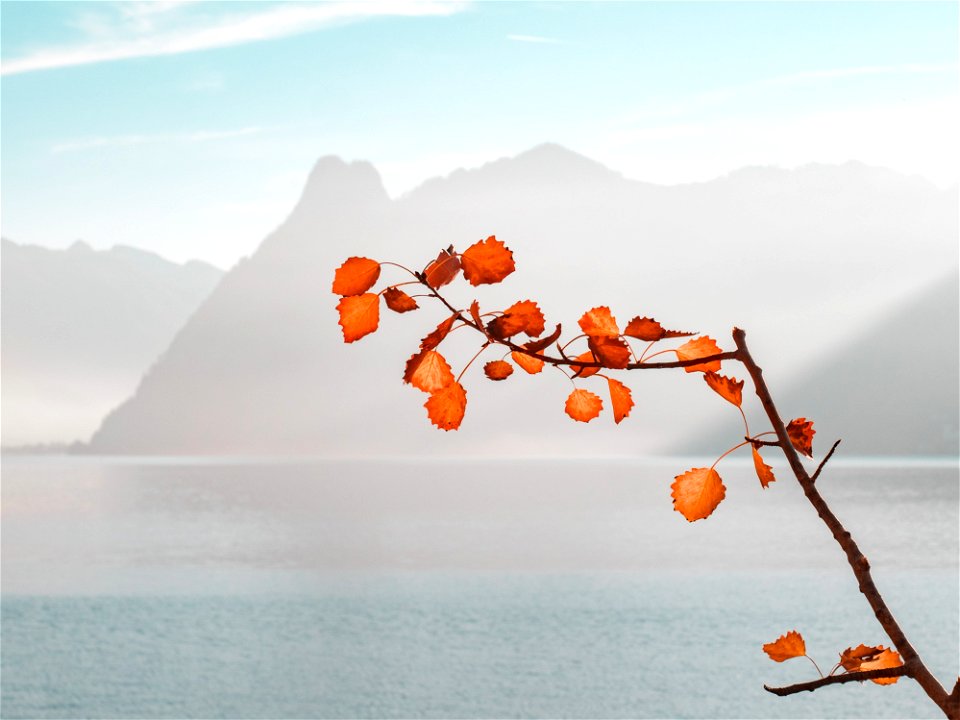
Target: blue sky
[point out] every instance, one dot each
(188, 128)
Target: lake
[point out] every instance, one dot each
(139, 587)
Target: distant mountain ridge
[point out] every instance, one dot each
(796, 257)
(80, 327)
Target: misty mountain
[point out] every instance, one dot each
(895, 385)
(80, 328)
(796, 257)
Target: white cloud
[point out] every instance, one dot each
(146, 29)
(532, 39)
(127, 140)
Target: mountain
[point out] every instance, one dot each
(893, 386)
(797, 257)
(80, 327)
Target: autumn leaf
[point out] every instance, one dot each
(531, 365)
(801, 432)
(446, 406)
(523, 316)
(355, 276)
(442, 270)
(764, 471)
(789, 645)
(620, 399)
(538, 345)
(864, 658)
(697, 493)
(851, 658)
(611, 351)
(729, 389)
(398, 300)
(583, 405)
(648, 329)
(439, 333)
(428, 370)
(580, 370)
(599, 322)
(359, 315)
(475, 314)
(700, 347)
(487, 261)
(498, 370)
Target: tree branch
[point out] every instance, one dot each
(813, 478)
(858, 562)
(568, 361)
(839, 679)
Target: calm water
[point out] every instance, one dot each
(440, 589)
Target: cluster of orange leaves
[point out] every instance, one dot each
(858, 659)
(696, 493)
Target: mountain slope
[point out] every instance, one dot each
(789, 255)
(79, 329)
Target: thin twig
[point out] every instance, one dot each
(838, 679)
(813, 478)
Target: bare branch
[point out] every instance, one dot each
(856, 559)
(839, 679)
(813, 478)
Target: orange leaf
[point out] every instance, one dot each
(697, 493)
(442, 270)
(644, 328)
(764, 471)
(620, 399)
(446, 407)
(359, 315)
(522, 316)
(580, 370)
(428, 370)
(611, 351)
(789, 645)
(399, 301)
(583, 405)
(729, 389)
(355, 276)
(498, 369)
(698, 348)
(440, 332)
(886, 659)
(475, 314)
(538, 345)
(487, 261)
(531, 364)
(599, 322)
(864, 658)
(801, 432)
(851, 658)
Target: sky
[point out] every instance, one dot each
(189, 128)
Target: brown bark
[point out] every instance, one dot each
(914, 665)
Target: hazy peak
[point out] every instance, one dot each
(333, 181)
(545, 165)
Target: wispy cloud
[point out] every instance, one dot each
(169, 28)
(533, 39)
(127, 140)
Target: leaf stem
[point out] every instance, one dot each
(735, 447)
(482, 348)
